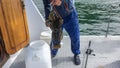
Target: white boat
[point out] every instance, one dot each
(106, 49)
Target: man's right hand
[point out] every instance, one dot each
(56, 2)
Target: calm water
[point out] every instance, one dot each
(94, 16)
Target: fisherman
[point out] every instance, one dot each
(67, 11)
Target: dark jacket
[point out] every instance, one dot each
(62, 10)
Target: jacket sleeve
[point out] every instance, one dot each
(46, 6)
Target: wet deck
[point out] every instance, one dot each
(107, 51)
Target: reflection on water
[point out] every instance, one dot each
(94, 16)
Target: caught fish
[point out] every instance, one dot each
(55, 22)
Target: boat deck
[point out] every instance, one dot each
(106, 50)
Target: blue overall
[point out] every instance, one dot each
(71, 25)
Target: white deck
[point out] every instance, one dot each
(107, 52)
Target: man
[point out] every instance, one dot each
(67, 11)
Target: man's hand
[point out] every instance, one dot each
(56, 2)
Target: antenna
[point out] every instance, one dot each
(108, 26)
